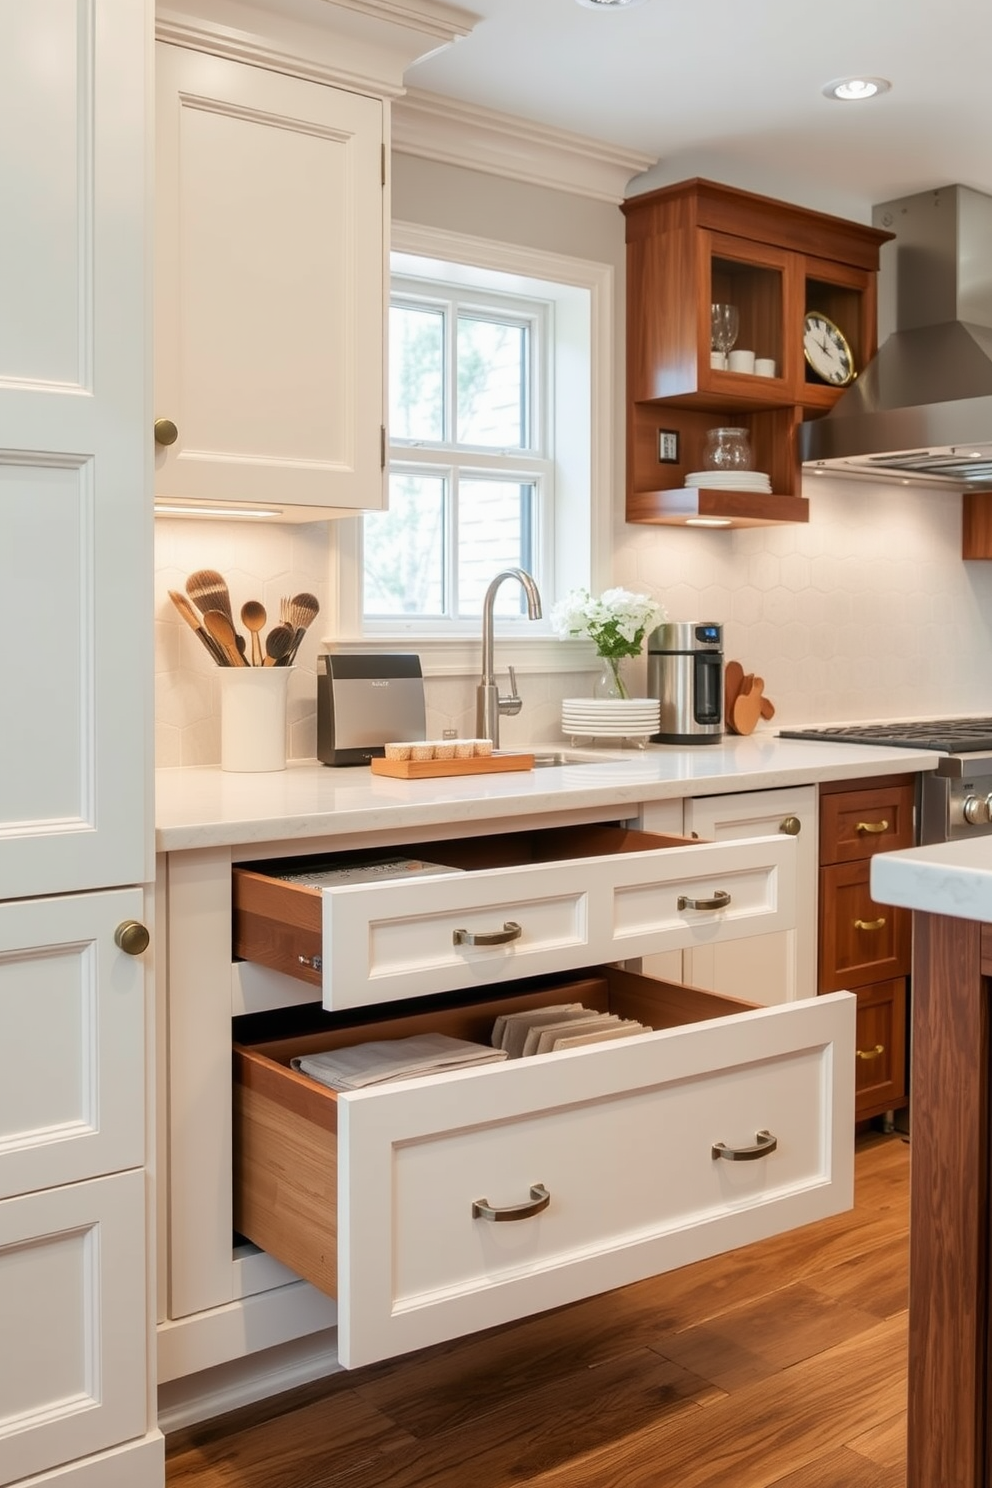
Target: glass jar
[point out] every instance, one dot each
(727, 449)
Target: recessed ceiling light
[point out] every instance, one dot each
(609, 4)
(851, 88)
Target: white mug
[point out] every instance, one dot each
(764, 366)
(718, 360)
(741, 361)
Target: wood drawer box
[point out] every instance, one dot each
(370, 1194)
(880, 1071)
(856, 824)
(860, 941)
(514, 905)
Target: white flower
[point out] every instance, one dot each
(616, 622)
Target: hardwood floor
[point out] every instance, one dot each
(781, 1364)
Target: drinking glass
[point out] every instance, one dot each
(724, 325)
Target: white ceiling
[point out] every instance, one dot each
(732, 91)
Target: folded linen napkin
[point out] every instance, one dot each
(375, 1063)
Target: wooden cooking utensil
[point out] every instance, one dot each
(733, 679)
(301, 612)
(278, 644)
(192, 619)
(253, 618)
(208, 591)
(747, 705)
(220, 627)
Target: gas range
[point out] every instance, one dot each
(956, 798)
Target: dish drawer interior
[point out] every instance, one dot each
(279, 923)
(286, 1124)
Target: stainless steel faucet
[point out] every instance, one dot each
(489, 703)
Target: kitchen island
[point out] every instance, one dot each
(235, 1322)
(949, 888)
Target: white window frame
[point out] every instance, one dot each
(583, 391)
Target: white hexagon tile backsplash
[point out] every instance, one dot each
(867, 611)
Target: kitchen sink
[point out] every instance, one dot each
(545, 758)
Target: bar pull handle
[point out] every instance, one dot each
(540, 1198)
(870, 1053)
(719, 900)
(510, 931)
(764, 1143)
(870, 924)
(875, 827)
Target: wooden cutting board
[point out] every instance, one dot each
(489, 764)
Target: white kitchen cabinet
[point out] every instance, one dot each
(269, 289)
(779, 966)
(75, 762)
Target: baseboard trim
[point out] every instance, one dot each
(227, 1387)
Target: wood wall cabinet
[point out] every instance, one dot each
(698, 243)
(864, 946)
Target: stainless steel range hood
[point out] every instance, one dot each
(922, 409)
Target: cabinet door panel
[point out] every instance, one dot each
(72, 1005)
(75, 527)
(269, 287)
(880, 1068)
(72, 1294)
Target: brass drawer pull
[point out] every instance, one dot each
(881, 826)
(132, 937)
(166, 432)
(870, 1053)
(539, 1199)
(720, 900)
(510, 931)
(870, 924)
(791, 826)
(764, 1144)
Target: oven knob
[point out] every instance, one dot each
(976, 811)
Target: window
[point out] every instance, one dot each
(471, 467)
(515, 467)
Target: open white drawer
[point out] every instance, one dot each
(373, 1195)
(514, 905)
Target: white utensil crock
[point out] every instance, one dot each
(253, 717)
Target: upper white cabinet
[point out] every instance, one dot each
(269, 289)
(75, 468)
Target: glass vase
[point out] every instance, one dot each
(612, 680)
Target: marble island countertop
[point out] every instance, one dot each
(207, 807)
(948, 878)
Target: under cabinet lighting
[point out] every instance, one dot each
(610, 4)
(239, 513)
(707, 521)
(850, 89)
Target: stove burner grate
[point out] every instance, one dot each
(951, 736)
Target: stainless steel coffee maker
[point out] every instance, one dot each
(685, 674)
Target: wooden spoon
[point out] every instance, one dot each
(253, 618)
(278, 644)
(192, 619)
(220, 627)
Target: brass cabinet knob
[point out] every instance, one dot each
(791, 826)
(132, 937)
(165, 431)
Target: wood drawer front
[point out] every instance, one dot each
(370, 1195)
(860, 941)
(72, 1003)
(856, 824)
(880, 1068)
(394, 939)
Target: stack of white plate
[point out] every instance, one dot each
(610, 718)
(730, 480)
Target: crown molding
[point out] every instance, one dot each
(362, 45)
(457, 133)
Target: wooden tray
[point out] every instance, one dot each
(487, 764)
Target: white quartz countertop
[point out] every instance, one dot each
(208, 807)
(950, 878)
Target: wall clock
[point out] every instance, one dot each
(826, 350)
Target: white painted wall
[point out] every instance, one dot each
(866, 612)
